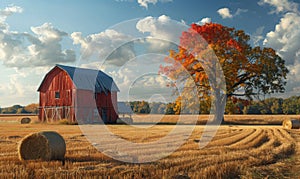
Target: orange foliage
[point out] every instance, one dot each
(244, 67)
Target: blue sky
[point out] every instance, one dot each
(92, 16)
(35, 35)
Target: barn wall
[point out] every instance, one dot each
(56, 80)
(41, 110)
(108, 102)
(85, 106)
(93, 107)
(114, 113)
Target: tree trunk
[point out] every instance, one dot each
(219, 102)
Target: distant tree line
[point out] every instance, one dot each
(272, 105)
(289, 105)
(18, 109)
(144, 107)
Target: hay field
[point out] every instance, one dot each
(15, 118)
(202, 119)
(236, 151)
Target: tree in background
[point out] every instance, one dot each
(231, 108)
(18, 109)
(140, 107)
(32, 108)
(254, 108)
(170, 108)
(248, 71)
(271, 106)
(12, 110)
(235, 105)
(291, 105)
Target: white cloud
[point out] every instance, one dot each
(41, 48)
(155, 81)
(157, 27)
(163, 32)
(285, 38)
(144, 3)
(47, 33)
(293, 84)
(280, 5)
(204, 21)
(21, 86)
(109, 45)
(225, 13)
(8, 11)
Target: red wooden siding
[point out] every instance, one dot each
(56, 80)
(109, 103)
(87, 102)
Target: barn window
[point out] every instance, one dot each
(57, 95)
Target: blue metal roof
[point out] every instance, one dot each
(124, 108)
(89, 79)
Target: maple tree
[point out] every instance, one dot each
(247, 71)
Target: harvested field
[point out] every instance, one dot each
(17, 118)
(202, 119)
(235, 152)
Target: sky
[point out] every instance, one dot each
(128, 39)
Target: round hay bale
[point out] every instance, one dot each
(291, 124)
(46, 145)
(25, 120)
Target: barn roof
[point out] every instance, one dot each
(124, 108)
(88, 79)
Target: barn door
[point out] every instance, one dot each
(104, 115)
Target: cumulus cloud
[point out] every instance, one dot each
(285, 40)
(204, 21)
(280, 5)
(144, 3)
(8, 11)
(40, 48)
(160, 27)
(285, 37)
(20, 85)
(123, 77)
(155, 81)
(114, 47)
(225, 13)
(163, 32)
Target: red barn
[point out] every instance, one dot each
(77, 94)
